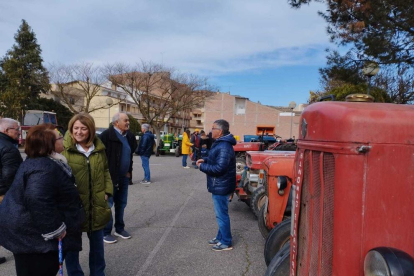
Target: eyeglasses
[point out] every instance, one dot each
(213, 128)
(60, 137)
(15, 128)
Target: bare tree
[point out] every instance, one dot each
(159, 92)
(79, 86)
(398, 81)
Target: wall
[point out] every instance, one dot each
(223, 106)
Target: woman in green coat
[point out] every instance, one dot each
(86, 156)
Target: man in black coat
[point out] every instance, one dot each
(10, 158)
(145, 150)
(220, 167)
(120, 145)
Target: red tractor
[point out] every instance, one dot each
(274, 217)
(265, 139)
(250, 188)
(353, 191)
(258, 142)
(249, 163)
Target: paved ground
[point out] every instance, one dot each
(171, 221)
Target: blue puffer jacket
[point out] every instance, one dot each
(220, 166)
(42, 197)
(146, 144)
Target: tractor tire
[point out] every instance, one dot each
(240, 164)
(257, 200)
(286, 147)
(277, 238)
(261, 221)
(247, 201)
(280, 264)
(177, 151)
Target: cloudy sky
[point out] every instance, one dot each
(260, 49)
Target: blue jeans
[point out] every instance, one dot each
(120, 200)
(184, 160)
(221, 208)
(145, 166)
(96, 257)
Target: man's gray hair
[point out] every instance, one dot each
(223, 125)
(146, 127)
(115, 118)
(6, 123)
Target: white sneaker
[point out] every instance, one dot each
(186, 167)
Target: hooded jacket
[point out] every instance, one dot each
(146, 144)
(42, 197)
(10, 160)
(220, 166)
(93, 181)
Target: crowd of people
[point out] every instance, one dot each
(68, 185)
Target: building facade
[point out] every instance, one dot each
(244, 115)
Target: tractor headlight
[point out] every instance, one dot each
(261, 176)
(281, 182)
(386, 261)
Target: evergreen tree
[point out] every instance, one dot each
(22, 75)
(134, 125)
(382, 30)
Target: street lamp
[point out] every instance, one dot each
(370, 69)
(292, 105)
(109, 102)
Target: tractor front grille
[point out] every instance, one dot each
(315, 233)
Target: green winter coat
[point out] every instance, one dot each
(92, 193)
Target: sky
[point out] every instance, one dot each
(260, 49)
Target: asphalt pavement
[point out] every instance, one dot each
(171, 221)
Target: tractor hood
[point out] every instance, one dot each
(357, 122)
(254, 159)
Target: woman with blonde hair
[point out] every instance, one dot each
(86, 156)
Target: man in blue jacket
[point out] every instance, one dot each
(145, 150)
(220, 167)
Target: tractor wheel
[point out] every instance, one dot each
(240, 164)
(177, 151)
(247, 201)
(261, 221)
(276, 239)
(257, 200)
(280, 264)
(286, 147)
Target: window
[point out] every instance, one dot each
(240, 107)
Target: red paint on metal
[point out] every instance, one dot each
(371, 198)
(247, 146)
(280, 164)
